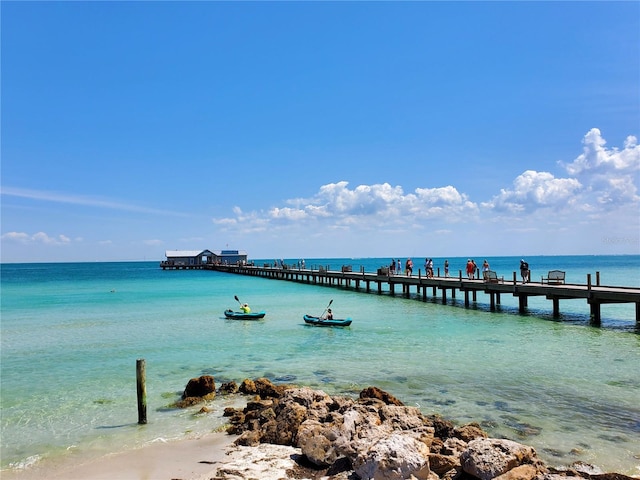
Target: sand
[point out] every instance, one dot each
(189, 459)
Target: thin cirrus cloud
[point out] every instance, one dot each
(83, 201)
(599, 179)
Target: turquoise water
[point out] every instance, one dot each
(71, 335)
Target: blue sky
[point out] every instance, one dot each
(319, 129)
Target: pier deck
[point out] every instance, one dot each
(595, 295)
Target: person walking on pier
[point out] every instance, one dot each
(446, 268)
(409, 267)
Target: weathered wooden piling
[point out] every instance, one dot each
(141, 381)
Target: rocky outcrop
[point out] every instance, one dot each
(198, 390)
(377, 437)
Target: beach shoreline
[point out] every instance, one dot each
(185, 459)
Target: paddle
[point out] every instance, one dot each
(237, 300)
(320, 317)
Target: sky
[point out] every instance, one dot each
(319, 129)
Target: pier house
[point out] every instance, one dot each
(187, 259)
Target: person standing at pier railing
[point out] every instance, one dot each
(446, 268)
(524, 271)
(471, 268)
(430, 268)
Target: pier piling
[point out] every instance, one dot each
(141, 381)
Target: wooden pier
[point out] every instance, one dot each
(595, 294)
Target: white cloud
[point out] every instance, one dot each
(37, 238)
(597, 186)
(153, 242)
(365, 207)
(596, 158)
(609, 175)
(534, 190)
(81, 200)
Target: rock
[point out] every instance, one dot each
(204, 386)
(487, 458)
(315, 444)
(453, 446)
(248, 387)
(523, 472)
(229, 388)
(443, 428)
(582, 467)
(442, 464)
(375, 392)
(611, 476)
(376, 437)
(188, 402)
(266, 389)
(400, 417)
(288, 419)
(469, 432)
(396, 457)
(249, 438)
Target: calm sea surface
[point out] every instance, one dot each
(72, 332)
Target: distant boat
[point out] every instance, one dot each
(323, 322)
(244, 316)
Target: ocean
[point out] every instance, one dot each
(71, 334)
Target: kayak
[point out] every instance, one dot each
(321, 322)
(244, 316)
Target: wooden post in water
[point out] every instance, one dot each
(141, 381)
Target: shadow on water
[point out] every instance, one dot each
(572, 318)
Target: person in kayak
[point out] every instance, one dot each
(245, 308)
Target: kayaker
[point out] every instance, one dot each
(329, 315)
(245, 308)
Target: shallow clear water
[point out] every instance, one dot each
(71, 335)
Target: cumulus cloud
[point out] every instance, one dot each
(37, 238)
(595, 157)
(533, 190)
(599, 178)
(597, 181)
(365, 206)
(609, 174)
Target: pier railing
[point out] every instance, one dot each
(385, 282)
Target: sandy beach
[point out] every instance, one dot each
(189, 459)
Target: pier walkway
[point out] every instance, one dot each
(594, 293)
